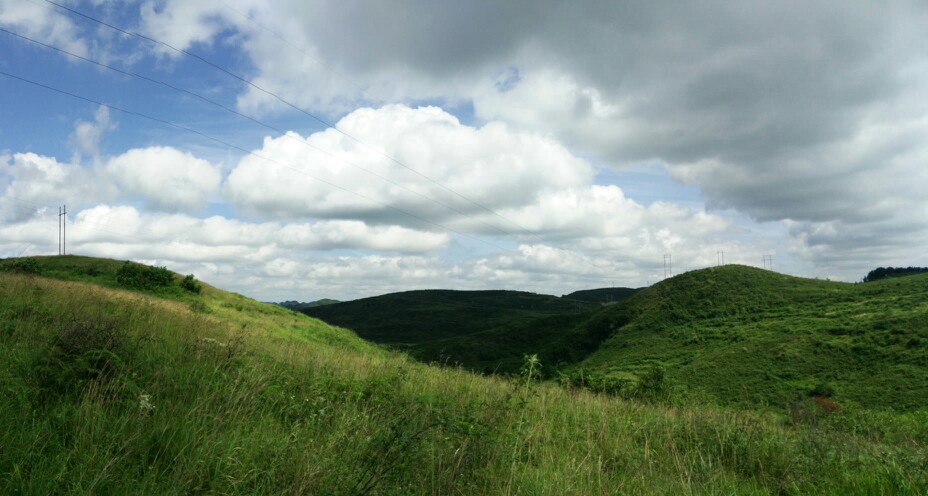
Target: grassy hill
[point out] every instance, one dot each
(414, 317)
(746, 336)
(113, 391)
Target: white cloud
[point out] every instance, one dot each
(35, 181)
(784, 111)
(180, 23)
(42, 23)
(87, 135)
(167, 178)
(490, 166)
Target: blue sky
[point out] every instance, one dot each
(537, 146)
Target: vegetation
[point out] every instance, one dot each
(111, 391)
(137, 276)
(731, 335)
(744, 336)
(415, 317)
(501, 350)
(189, 283)
(884, 272)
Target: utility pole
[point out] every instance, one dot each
(770, 259)
(62, 229)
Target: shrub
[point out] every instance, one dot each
(822, 390)
(137, 276)
(189, 283)
(24, 266)
(654, 385)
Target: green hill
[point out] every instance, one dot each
(106, 390)
(415, 317)
(751, 337)
(602, 295)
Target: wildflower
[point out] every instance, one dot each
(145, 404)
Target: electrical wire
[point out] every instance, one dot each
(281, 132)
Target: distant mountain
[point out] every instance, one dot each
(603, 296)
(415, 317)
(298, 305)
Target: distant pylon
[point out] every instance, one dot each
(62, 229)
(668, 266)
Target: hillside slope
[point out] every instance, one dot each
(111, 391)
(414, 317)
(752, 337)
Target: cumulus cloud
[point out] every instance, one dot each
(806, 118)
(167, 178)
(35, 181)
(421, 161)
(164, 178)
(787, 111)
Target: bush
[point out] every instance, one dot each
(653, 384)
(137, 276)
(822, 390)
(190, 284)
(24, 266)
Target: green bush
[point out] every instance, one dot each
(653, 384)
(24, 266)
(189, 283)
(137, 276)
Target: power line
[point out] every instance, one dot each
(291, 105)
(252, 119)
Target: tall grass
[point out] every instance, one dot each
(234, 397)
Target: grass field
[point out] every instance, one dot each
(109, 391)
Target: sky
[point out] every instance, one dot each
(298, 150)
